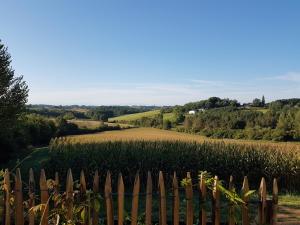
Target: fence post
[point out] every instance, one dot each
(203, 193)
(245, 212)
(83, 197)
(148, 219)
(175, 200)
(6, 185)
(230, 205)
(82, 184)
(135, 200)
(56, 189)
(275, 202)
(120, 200)
(95, 190)
(189, 200)
(69, 195)
(162, 200)
(19, 198)
(263, 202)
(216, 214)
(31, 194)
(108, 200)
(44, 197)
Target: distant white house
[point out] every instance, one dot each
(192, 112)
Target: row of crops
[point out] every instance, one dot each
(222, 159)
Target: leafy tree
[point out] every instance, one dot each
(65, 128)
(13, 97)
(167, 125)
(263, 101)
(297, 125)
(285, 126)
(69, 116)
(256, 102)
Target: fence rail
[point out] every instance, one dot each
(16, 213)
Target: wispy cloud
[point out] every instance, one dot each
(163, 93)
(208, 82)
(290, 76)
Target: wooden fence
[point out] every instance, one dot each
(267, 209)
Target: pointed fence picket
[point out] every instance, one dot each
(148, 218)
(267, 208)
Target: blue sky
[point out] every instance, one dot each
(156, 52)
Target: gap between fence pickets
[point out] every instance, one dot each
(267, 209)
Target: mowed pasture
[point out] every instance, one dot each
(137, 116)
(94, 124)
(154, 134)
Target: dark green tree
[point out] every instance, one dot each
(297, 125)
(13, 97)
(263, 101)
(167, 125)
(256, 102)
(285, 127)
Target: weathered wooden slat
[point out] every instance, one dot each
(135, 200)
(263, 202)
(31, 194)
(162, 200)
(44, 197)
(56, 189)
(95, 212)
(83, 197)
(203, 216)
(230, 205)
(18, 199)
(6, 186)
(245, 211)
(216, 214)
(69, 195)
(189, 200)
(148, 219)
(82, 183)
(108, 200)
(120, 200)
(275, 202)
(175, 200)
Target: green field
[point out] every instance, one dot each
(137, 116)
(94, 124)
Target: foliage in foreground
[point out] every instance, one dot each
(13, 96)
(221, 159)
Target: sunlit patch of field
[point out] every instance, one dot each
(94, 124)
(169, 116)
(89, 124)
(153, 134)
(135, 116)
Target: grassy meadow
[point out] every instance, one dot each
(136, 116)
(94, 124)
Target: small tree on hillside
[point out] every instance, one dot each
(13, 96)
(256, 102)
(167, 125)
(263, 101)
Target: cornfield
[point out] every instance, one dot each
(220, 158)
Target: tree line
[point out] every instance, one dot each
(278, 124)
